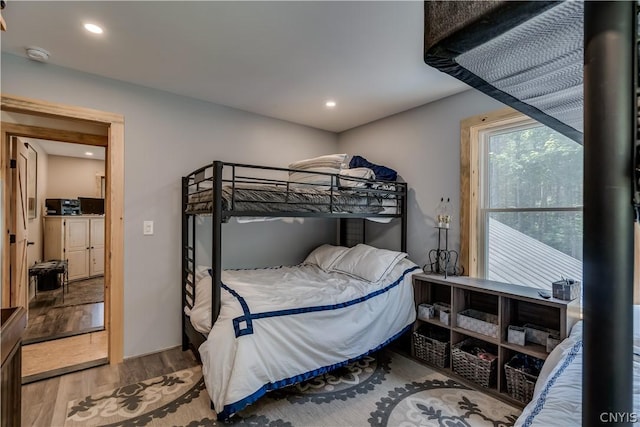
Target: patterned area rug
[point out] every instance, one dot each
(383, 390)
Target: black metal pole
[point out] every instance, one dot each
(403, 226)
(185, 244)
(608, 215)
(216, 249)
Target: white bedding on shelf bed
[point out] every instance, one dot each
(557, 398)
(304, 321)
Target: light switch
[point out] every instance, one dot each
(147, 228)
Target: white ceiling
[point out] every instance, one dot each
(279, 59)
(56, 148)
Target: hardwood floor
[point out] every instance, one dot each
(44, 403)
(53, 314)
(64, 353)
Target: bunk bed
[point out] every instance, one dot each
(572, 66)
(257, 330)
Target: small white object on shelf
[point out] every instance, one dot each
(538, 334)
(425, 311)
(552, 342)
(445, 316)
(516, 335)
(566, 289)
(439, 306)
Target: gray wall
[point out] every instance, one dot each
(166, 137)
(423, 145)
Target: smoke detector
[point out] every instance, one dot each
(37, 54)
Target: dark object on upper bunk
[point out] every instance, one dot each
(382, 172)
(528, 55)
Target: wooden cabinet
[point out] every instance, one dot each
(76, 249)
(505, 305)
(96, 246)
(79, 240)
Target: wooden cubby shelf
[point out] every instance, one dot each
(511, 304)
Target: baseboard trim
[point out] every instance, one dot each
(65, 370)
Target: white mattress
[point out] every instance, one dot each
(303, 322)
(557, 398)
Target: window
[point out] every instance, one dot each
(525, 202)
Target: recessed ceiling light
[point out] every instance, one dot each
(93, 28)
(88, 153)
(330, 104)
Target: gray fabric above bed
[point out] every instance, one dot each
(528, 55)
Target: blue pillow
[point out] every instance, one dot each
(382, 172)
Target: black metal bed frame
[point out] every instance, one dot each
(212, 177)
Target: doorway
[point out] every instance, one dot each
(15, 276)
(65, 222)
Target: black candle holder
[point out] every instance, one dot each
(443, 261)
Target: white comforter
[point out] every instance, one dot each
(280, 326)
(557, 398)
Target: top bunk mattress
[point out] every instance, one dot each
(307, 188)
(274, 199)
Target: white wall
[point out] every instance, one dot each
(423, 145)
(166, 137)
(73, 177)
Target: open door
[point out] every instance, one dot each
(18, 224)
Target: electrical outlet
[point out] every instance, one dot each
(147, 228)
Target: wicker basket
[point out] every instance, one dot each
(520, 384)
(431, 350)
(480, 371)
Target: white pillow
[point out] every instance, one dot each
(201, 272)
(325, 255)
(367, 263)
(317, 181)
(364, 173)
(335, 161)
(201, 311)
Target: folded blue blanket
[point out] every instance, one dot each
(382, 172)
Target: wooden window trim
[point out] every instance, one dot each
(470, 129)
